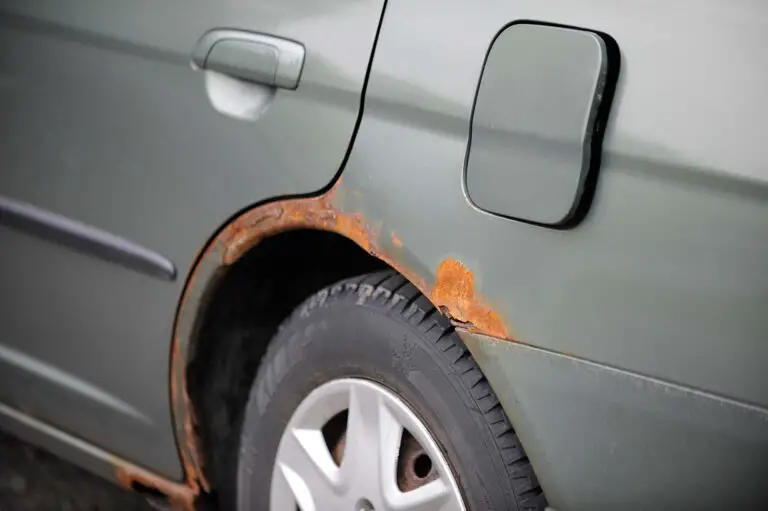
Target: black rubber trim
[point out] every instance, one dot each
(83, 238)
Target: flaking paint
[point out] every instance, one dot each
(454, 294)
(180, 496)
(453, 290)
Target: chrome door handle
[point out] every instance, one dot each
(249, 56)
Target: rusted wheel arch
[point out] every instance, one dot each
(452, 292)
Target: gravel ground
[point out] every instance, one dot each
(34, 480)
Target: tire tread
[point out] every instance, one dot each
(441, 332)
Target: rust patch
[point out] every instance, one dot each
(453, 291)
(454, 294)
(181, 497)
(396, 241)
(319, 213)
(316, 213)
(193, 465)
(192, 457)
(190, 452)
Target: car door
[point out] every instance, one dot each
(119, 160)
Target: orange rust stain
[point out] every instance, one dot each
(453, 291)
(313, 213)
(396, 241)
(191, 456)
(232, 242)
(454, 294)
(190, 453)
(181, 498)
(192, 462)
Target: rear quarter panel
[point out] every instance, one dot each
(664, 279)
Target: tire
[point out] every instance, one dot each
(379, 328)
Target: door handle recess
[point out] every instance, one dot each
(258, 58)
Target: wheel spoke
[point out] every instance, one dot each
(433, 496)
(369, 450)
(373, 439)
(307, 467)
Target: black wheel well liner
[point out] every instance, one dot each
(238, 317)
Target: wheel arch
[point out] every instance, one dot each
(450, 287)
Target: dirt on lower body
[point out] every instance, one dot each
(34, 480)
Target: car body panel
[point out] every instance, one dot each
(106, 124)
(603, 438)
(668, 266)
(664, 278)
(654, 301)
(92, 458)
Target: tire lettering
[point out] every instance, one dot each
(396, 298)
(382, 291)
(363, 292)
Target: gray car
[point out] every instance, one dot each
(363, 255)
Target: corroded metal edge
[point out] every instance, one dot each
(181, 497)
(452, 290)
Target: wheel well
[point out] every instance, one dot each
(239, 316)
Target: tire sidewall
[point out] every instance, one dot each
(341, 335)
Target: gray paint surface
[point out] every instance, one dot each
(78, 236)
(533, 120)
(29, 429)
(105, 122)
(606, 439)
(69, 383)
(666, 275)
(664, 279)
